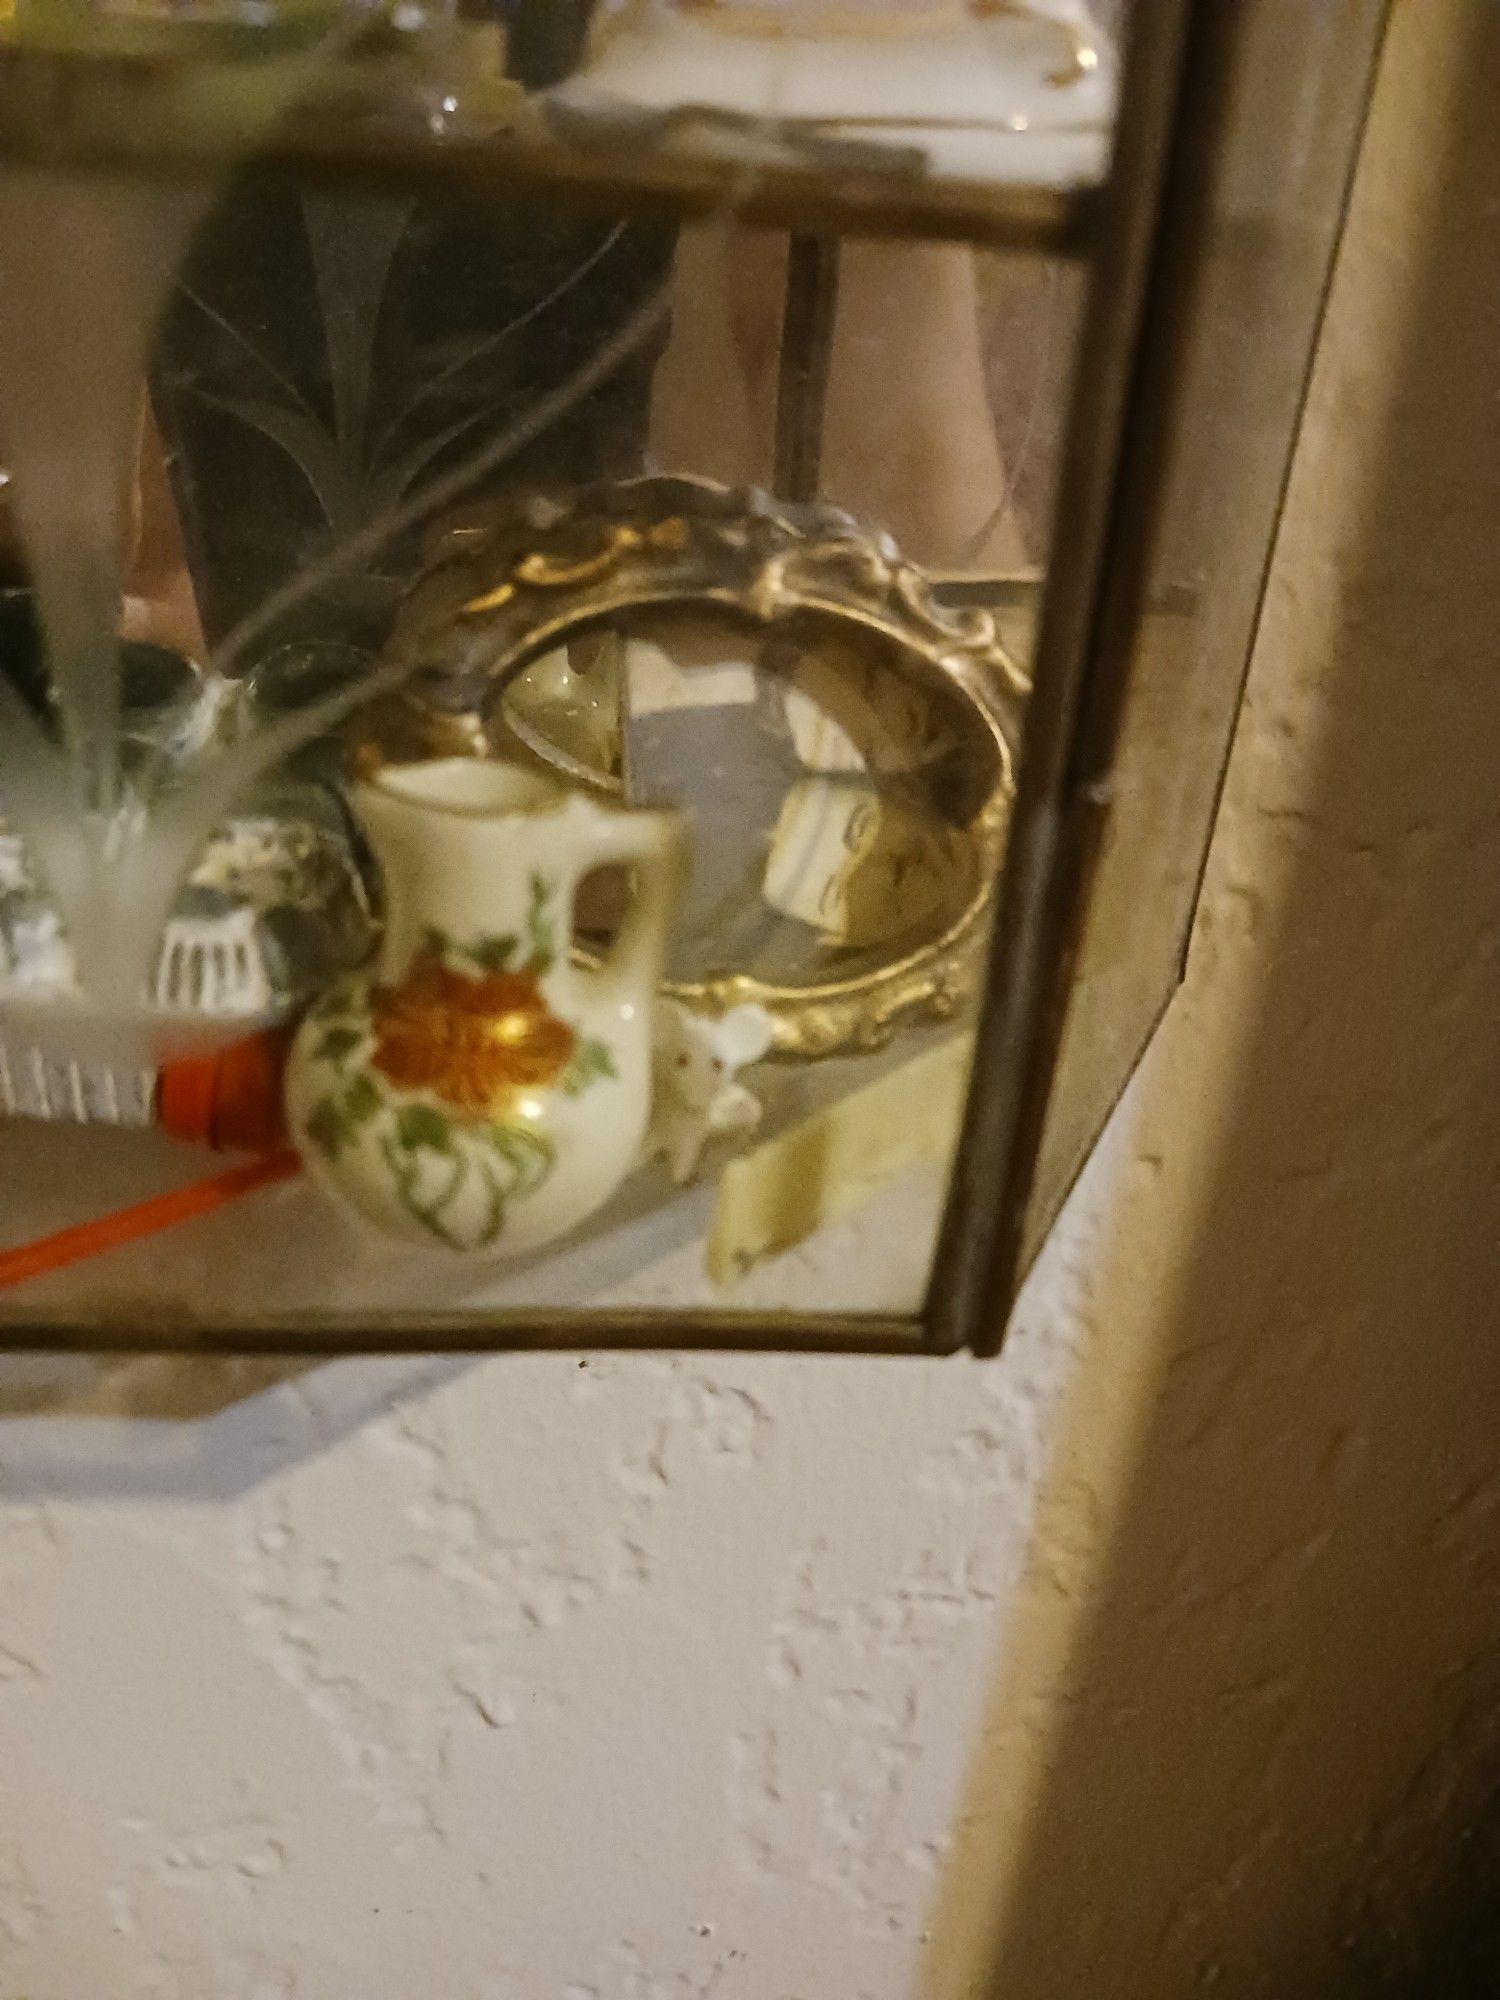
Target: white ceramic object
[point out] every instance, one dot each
(479, 1091)
(696, 1097)
(1018, 94)
(274, 907)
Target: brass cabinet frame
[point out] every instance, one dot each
(1148, 234)
(116, 104)
(1162, 228)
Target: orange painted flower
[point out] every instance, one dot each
(473, 1040)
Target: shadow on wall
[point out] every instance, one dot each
(164, 1428)
(1269, 1764)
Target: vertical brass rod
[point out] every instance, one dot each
(1026, 981)
(812, 293)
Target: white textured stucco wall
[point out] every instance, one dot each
(634, 1679)
(1133, 1663)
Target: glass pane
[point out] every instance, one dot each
(513, 865)
(1277, 202)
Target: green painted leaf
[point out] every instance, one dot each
(492, 1225)
(528, 1154)
(421, 1125)
(591, 1061)
(337, 1043)
(494, 954)
(435, 941)
(362, 1100)
(542, 950)
(326, 1127)
(334, 1006)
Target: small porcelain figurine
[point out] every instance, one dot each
(480, 1091)
(694, 1062)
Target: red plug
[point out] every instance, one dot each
(232, 1101)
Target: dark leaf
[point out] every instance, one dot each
(333, 1006)
(420, 1125)
(361, 1101)
(494, 954)
(542, 952)
(528, 1155)
(338, 1043)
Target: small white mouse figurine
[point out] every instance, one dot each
(695, 1097)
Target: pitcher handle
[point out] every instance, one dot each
(654, 846)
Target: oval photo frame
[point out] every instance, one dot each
(510, 584)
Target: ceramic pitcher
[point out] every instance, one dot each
(479, 1091)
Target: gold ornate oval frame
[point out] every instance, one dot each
(508, 583)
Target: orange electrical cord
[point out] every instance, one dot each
(146, 1218)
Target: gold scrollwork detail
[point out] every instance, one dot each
(509, 582)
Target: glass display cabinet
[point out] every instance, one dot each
(621, 623)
